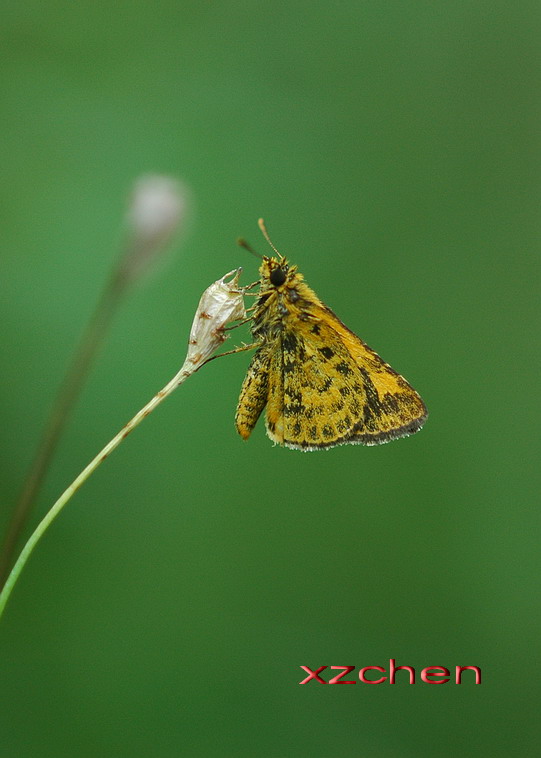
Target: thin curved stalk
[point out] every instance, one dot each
(220, 304)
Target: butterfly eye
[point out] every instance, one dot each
(277, 276)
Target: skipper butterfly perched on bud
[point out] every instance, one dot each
(320, 384)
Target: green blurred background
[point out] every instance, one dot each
(394, 151)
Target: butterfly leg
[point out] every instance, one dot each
(240, 349)
(250, 287)
(240, 323)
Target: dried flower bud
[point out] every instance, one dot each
(156, 212)
(220, 304)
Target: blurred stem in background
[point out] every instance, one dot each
(156, 212)
(220, 304)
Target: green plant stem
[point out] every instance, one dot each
(187, 369)
(66, 398)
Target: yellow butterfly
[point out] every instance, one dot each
(320, 384)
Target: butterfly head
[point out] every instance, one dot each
(276, 273)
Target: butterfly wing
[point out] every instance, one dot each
(254, 392)
(337, 390)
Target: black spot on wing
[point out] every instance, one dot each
(372, 397)
(294, 346)
(289, 341)
(326, 352)
(294, 396)
(390, 403)
(344, 368)
(288, 366)
(327, 384)
(355, 407)
(293, 409)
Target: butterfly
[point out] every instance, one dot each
(319, 383)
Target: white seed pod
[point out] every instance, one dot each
(220, 304)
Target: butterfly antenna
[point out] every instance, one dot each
(242, 242)
(266, 235)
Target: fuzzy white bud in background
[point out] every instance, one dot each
(156, 213)
(220, 304)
